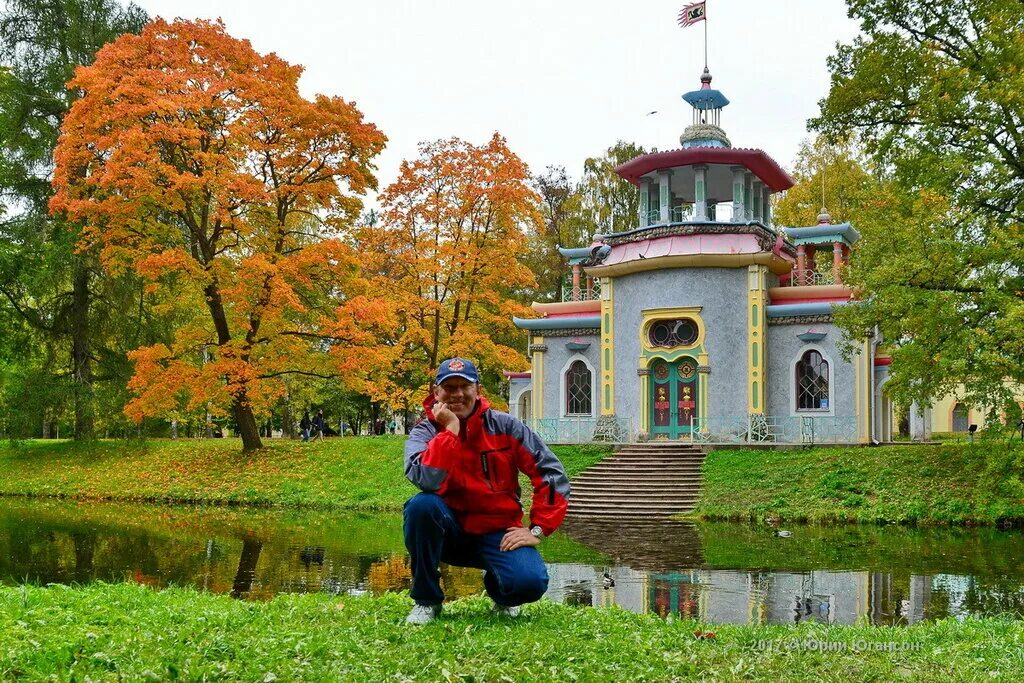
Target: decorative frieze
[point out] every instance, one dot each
(704, 369)
(572, 332)
(534, 348)
(765, 238)
(643, 372)
(801, 319)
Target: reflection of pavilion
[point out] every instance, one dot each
(748, 597)
(660, 568)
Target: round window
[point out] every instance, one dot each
(670, 333)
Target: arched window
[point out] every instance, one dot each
(961, 417)
(578, 389)
(812, 382)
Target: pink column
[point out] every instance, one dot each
(576, 283)
(801, 264)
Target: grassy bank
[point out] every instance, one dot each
(128, 632)
(354, 473)
(945, 484)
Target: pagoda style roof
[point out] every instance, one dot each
(706, 98)
(759, 163)
(823, 233)
(585, 256)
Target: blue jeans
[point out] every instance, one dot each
(432, 536)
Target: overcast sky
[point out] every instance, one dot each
(561, 79)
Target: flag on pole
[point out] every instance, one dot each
(691, 14)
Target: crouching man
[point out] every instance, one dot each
(466, 458)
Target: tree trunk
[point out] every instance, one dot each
(246, 421)
(81, 354)
(244, 418)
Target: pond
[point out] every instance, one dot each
(721, 573)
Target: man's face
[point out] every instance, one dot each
(460, 394)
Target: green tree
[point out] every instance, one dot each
(611, 202)
(565, 224)
(934, 90)
(833, 175)
(52, 288)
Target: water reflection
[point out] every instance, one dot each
(721, 573)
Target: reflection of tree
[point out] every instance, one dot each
(578, 594)
(85, 547)
(246, 573)
(390, 574)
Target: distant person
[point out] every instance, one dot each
(305, 424)
(466, 458)
(319, 426)
(392, 425)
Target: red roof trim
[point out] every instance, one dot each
(883, 361)
(759, 163)
(516, 375)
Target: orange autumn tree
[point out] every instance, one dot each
(194, 161)
(448, 253)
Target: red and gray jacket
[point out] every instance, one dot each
(477, 472)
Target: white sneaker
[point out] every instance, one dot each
(503, 611)
(423, 614)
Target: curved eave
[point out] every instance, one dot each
(823, 233)
(789, 310)
(823, 292)
(516, 375)
(567, 307)
(582, 321)
(706, 98)
(759, 163)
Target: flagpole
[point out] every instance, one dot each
(705, 37)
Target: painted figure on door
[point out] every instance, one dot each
(661, 406)
(686, 406)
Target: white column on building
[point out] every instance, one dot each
(665, 196)
(766, 200)
(645, 201)
(737, 193)
(700, 193)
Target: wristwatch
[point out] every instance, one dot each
(536, 531)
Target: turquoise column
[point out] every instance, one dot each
(758, 200)
(748, 192)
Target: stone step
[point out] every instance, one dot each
(649, 463)
(624, 512)
(636, 473)
(633, 481)
(646, 467)
(653, 459)
(634, 490)
(626, 475)
(629, 496)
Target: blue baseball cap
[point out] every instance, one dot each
(457, 367)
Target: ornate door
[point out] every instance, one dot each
(673, 399)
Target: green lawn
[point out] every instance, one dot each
(935, 484)
(129, 632)
(356, 473)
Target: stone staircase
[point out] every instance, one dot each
(640, 480)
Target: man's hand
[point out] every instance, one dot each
(518, 537)
(446, 418)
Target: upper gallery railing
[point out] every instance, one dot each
(592, 293)
(807, 277)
